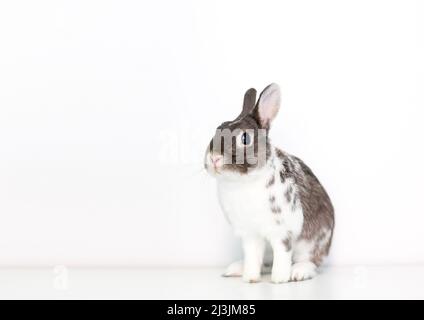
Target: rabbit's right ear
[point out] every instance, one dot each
(249, 103)
(268, 105)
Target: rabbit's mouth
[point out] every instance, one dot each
(214, 163)
(229, 169)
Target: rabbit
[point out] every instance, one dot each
(269, 197)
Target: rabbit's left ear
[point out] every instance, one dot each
(268, 105)
(248, 103)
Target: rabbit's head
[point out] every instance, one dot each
(242, 145)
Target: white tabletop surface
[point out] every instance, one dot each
(350, 282)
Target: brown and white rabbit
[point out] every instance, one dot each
(269, 195)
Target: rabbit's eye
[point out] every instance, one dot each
(245, 139)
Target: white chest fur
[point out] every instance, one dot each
(246, 204)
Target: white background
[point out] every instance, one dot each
(106, 108)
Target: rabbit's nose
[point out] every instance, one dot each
(217, 160)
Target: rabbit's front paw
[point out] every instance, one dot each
(252, 275)
(280, 276)
(251, 278)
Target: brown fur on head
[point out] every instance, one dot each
(243, 143)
